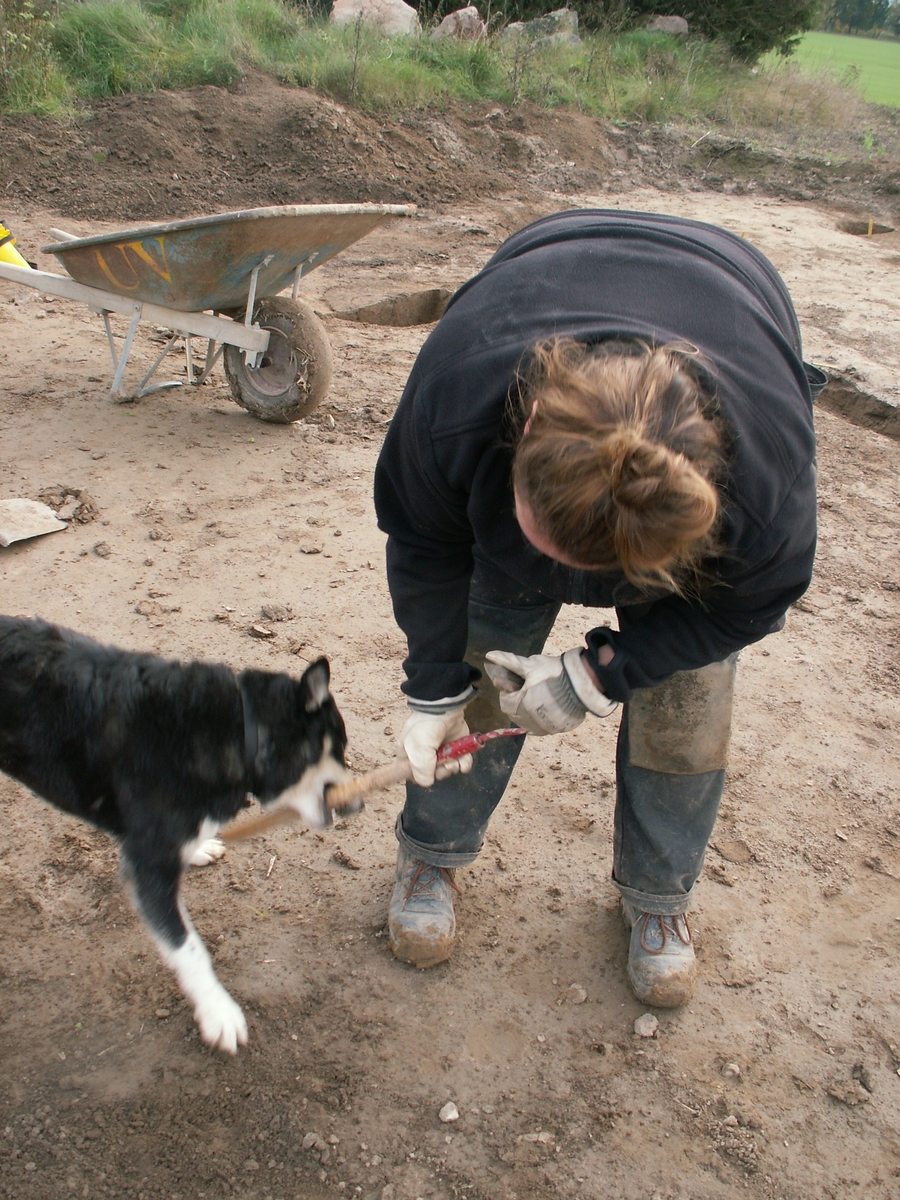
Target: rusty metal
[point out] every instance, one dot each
(205, 263)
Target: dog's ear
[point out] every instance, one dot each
(314, 685)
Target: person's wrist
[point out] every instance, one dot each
(585, 685)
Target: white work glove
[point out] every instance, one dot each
(424, 734)
(546, 693)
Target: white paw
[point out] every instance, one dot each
(221, 1023)
(207, 852)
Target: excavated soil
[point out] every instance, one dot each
(782, 1078)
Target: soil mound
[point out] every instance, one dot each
(168, 154)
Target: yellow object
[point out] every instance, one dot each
(871, 227)
(8, 251)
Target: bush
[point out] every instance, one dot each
(30, 80)
(749, 27)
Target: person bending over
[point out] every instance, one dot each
(613, 413)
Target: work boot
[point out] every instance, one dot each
(421, 923)
(662, 969)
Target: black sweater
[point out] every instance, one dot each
(442, 484)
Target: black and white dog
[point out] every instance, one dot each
(160, 755)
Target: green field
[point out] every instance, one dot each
(878, 62)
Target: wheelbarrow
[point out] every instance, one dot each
(217, 278)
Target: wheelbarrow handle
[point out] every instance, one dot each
(341, 795)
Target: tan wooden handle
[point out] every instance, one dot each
(337, 796)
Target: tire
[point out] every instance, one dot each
(295, 373)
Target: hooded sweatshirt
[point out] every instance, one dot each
(443, 480)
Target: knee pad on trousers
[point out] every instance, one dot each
(683, 727)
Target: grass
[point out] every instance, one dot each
(95, 48)
(871, 66)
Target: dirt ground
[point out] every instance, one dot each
(780, 1080)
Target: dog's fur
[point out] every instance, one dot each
(160, 755)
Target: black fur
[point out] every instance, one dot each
(147, 749)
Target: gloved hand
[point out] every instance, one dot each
(546, 693)
(424, 734)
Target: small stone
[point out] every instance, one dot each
(261, 631)
(575, 994)
(449, 1113)
(646, 1026)
(102, 550)
(851, 1093)
(68, 508)
(309, 548)
(345, 859)
(251, 1165)
(162, 1013)
(276, 612)
(731, 1071)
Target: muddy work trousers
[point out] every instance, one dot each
(670, 760)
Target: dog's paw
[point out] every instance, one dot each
(348, 809)
(207, 852)
(221, 1023)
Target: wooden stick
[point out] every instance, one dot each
(337, 796)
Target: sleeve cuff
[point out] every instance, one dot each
(611, 677)
(445, 705)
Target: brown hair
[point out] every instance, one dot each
(620, 460)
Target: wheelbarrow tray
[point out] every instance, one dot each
(205, 263)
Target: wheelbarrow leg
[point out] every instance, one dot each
(142, 389)
(213, 354)
(122, 363)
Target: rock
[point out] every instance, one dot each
(558, 40)
(276, 612)
(260, 631)
(734, 851)
(464, 24)
(561, 20)
(513, 30)
(392, 17)
(162, 1013)
(449, 1113)
(314, 1141)
(575, 994)
(851, 1093)
(731, 1071)
(674, 25)
(22, 519)
(646, 1026)
(309, 548)
(103, 550)
(545, 30)
(71, 504)
(342, 857)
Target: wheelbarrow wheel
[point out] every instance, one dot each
(295, 372)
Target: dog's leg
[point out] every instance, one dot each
(206, 848)
(209, 851)
(154, 890)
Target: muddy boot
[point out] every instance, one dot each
(421, 923)
(662, 969)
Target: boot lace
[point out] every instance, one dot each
(669, 926)
(425, 877)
